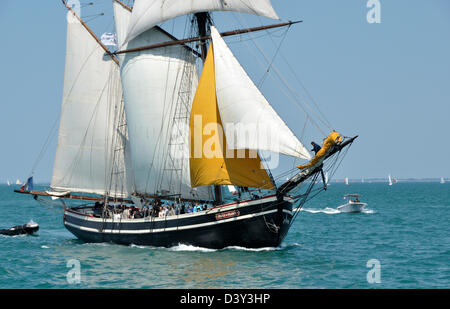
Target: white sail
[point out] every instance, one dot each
(152, 81)
(122, 18)
(346, 181)
(442, 180)
(90, 110)
(390, 180)
(149, 13)
(249, 120)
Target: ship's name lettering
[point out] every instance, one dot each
(227, 215)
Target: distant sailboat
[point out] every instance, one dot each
(346, 181)
(442, 180)
(8, 183)
(18, 182)
(390, 180)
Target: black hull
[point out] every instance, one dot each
(252, 224)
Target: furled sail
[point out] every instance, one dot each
(91, 108)
(149, 13)
(153, 82)
(212, 163)
(251, 123)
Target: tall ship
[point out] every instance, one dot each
(161, 140)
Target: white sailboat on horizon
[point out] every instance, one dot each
(442, 180)
(346, 181)
(390, 180)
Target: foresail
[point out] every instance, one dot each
(153, 82)
(149, 13)
(250, 122)
(212, 163)
(90, 112)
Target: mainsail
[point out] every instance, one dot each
(152, 84)
(91, 111)
(149, 13)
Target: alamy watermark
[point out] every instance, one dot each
(74, 274)
(374, 274)
(374, 13)
(211, 140)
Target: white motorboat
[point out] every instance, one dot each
(353, 205)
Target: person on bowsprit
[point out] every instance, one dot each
(316, 148)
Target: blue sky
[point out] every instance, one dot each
(389, 83)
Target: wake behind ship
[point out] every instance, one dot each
(151, 154)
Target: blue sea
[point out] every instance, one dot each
(401, 241)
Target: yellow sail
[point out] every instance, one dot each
(211, 162)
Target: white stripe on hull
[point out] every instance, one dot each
(147, 231)
(176, 217)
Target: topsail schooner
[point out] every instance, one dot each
(139, 130)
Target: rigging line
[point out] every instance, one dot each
(302, 137)
(300, 83)
(117, 110)
(170, 93)
(304, 200)
(174, 126)
(46, 145)
(288, 92)
(240, 38)
(283, 80)
(172, 110)
(159, 138)
(90, 18)
(160, 147)
(327, 122)
(273, 59)
(181, 108)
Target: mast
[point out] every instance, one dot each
(204, 25)
(204, 22)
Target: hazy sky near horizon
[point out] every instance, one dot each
(389, 83)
